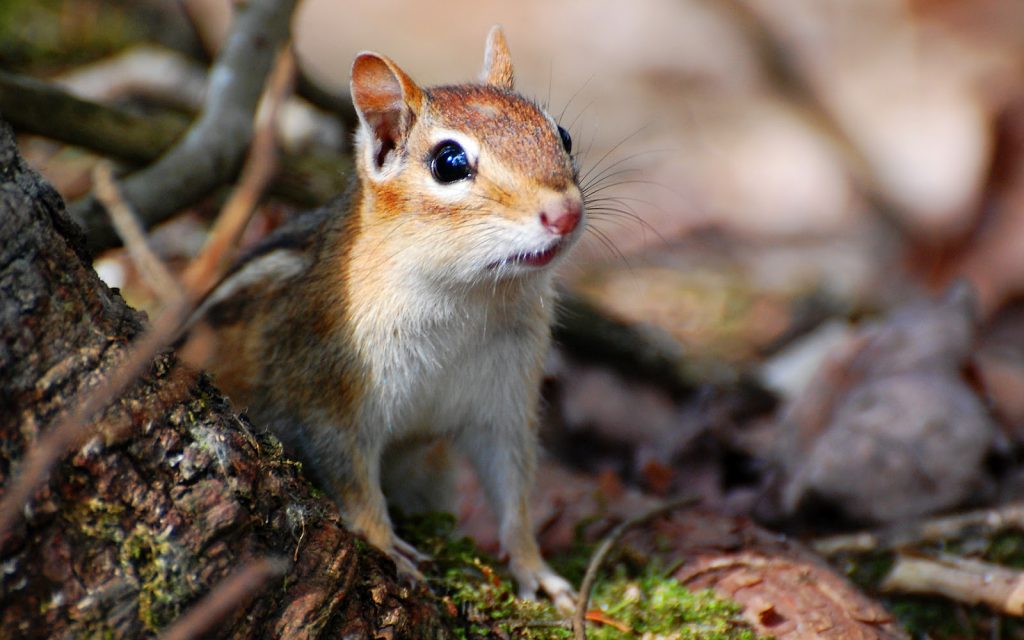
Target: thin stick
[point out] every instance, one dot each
(201, 274)
(153, 270)
(227, 595)
(961, 579)
(212, 149)
(942, 528)
(590, 577)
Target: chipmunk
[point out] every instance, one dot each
(372, 336)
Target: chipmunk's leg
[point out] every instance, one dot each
(504, 459)
(355, 481)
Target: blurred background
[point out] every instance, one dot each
(790, 191)
(881, 132)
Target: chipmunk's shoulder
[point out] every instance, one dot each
(285, 253)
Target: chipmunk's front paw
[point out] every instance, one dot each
(562, 595)
(406, 568)
(409, 551)
(406, 558)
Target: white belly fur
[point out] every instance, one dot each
(443, 369)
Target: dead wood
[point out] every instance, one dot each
(984, 522)
(45, 109)
(172, 493)
(644, 353)
(960, 579)
(213, 149)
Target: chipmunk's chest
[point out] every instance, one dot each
(451, 363)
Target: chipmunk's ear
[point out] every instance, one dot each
(387, 102)
(497, 61)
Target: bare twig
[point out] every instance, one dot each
(964, 580)
(214, 147)
(153, 270)
(216, 255)
(942, 528)
(45, 109)
(227, 595)
(590, 577)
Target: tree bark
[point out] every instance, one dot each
(173, 492)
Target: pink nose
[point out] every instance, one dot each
(562, 218)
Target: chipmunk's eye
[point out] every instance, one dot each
(449, 163)
(566, 139)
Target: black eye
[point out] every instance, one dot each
(566, 139)
(449, 163)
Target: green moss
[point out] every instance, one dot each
(164, 575)
(936, 618)
(478, 595)
(473, 588)
(360, 545)
(102, 632)
(653, 606)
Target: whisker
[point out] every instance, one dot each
(623, 199)
(551, 73)
(584, 153)
(573, 97)
(617, 215)
(604, 174)
(652, 183)
(607, 242)
(612, 150)
(602, 178)
(580, 115)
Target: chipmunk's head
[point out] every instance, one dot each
(471, 182)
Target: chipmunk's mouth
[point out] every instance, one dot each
(534, 258)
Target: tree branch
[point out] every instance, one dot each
(154, 272)
(961, 579)
(45, 109)
(948, 527)
(212, 150)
